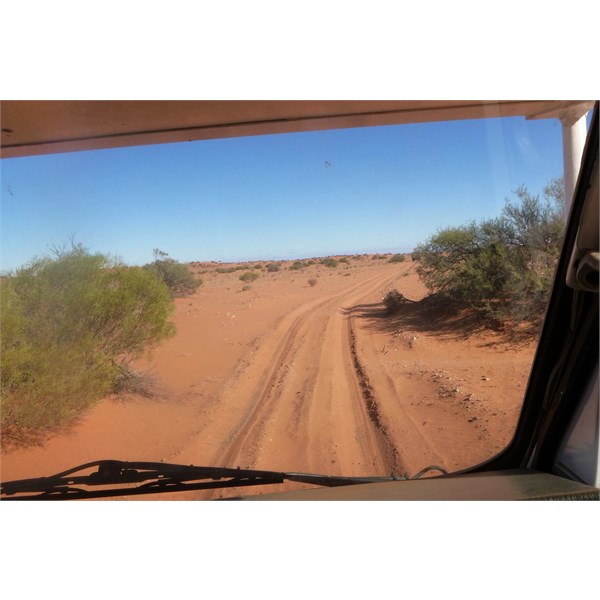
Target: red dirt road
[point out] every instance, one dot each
(285, 376)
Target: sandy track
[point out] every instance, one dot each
(299, 404)
(297, 378)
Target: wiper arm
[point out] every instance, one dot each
(157, 477)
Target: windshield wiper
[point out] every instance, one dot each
(157, 477)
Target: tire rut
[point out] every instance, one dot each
(244, 439)
(373, 409)
(285, 399)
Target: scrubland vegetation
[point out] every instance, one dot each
(71, 324)
(329, 262)
(176, 276)
(503, 267)
(249, 276)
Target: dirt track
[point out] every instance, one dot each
(302, 395)
(289, 377)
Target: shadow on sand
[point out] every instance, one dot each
(16, 438)
(434, 316)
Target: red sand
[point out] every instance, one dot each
(285, 376)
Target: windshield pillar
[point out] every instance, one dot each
(574, 133)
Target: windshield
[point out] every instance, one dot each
(359, 302)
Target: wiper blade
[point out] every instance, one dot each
(157, 477)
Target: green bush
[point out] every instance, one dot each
(344, 260)
(297, 266)
(70, 327)
(329, 262)
(397, 258)
(248, 276)
(273, 267)
(177, 277)
(502, 267)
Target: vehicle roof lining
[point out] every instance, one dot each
(33, 127)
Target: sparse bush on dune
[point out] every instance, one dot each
(397, 258)
(344, 260)
(329, 262)
(70, 327)
(393, 300)
(177, 276)
(297, 265)
(273, 267)
(248, 276)
(312, 282)
(502, 267)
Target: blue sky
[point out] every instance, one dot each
(281, 196)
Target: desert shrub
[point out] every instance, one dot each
(312, 282)
(397, 258)
(501, 267)
(246, 287)
(70, 327)
(273, 267)
(393, 300)
(329, 262)
(257, 266)
(248, 276)
(177, 277)
(225, 269)
(297, 266)
(344, 260)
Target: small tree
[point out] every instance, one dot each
(502, 267)
(177, 277)
(70, 326)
